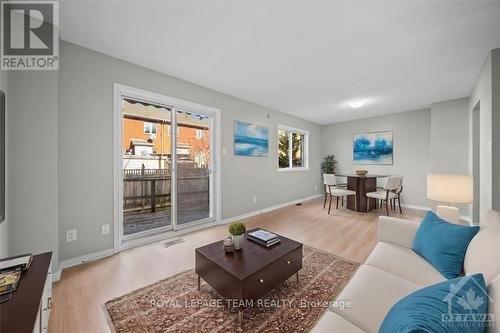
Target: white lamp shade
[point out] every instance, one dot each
(450, 188)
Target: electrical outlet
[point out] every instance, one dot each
(315, 187)
(224, 151)
(254, 199)
(105, 229)
(71, 235)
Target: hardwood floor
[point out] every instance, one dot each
(79, 296)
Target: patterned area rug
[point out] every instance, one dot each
(176, 305)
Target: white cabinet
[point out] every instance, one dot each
(42, 319)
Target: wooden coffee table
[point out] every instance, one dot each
(248, 274)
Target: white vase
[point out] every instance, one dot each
(238, 240)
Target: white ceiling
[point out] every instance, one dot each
(307, 58)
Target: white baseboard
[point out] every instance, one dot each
(267, 209)
(80, 260)
(416, 207)
(130, 244)
(109, 252)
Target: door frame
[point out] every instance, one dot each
(120, 90)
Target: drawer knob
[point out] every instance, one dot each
(288, 262)
(261, 280)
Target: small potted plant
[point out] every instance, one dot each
(237, 231)
(329, 164)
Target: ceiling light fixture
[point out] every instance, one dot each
(356, 104)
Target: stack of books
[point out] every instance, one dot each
(263, 237)
(10, 274)
(23, 262)
(8, 283)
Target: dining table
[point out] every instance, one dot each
(361, 184)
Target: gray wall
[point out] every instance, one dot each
(450, 139)
(32, 162)
(85, 146)
(482, 93)
(411, 132)
(475, 163)
(4, 245)
(495, 106)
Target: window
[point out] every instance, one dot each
(292, 149)
(200, 134)
(149, 128)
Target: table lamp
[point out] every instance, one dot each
(449, 188)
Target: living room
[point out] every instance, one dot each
(361, 135)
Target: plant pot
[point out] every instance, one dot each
(238, 240)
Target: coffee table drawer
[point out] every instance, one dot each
(258, 284)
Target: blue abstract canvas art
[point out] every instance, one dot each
(250, 140)
(373, 148)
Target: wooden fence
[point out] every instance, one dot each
(149, 189)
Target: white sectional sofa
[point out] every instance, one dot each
(393, 271)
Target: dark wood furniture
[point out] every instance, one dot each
(398, 198)
(25, 310)
(248, 274)
(362, 185)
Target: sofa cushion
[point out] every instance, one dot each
(483, 253)
(483, 256)
(404, 263)
(440, 307)
(494, 304)
(372, 291)
(332, 322)
(397, 231)
(443, 244)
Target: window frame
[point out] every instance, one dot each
(121, 92)
(291, 130)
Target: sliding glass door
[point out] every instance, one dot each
(166, 165)
(147, 167)
(194, 168)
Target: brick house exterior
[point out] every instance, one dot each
(152, 123)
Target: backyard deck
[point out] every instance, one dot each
(134, 222)
(147, 197)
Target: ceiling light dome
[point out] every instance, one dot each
(357, 104)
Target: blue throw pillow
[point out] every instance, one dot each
(457, 305)
(443, 244)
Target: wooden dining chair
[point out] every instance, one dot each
(398, 199)
(334, 190)
(387, 193)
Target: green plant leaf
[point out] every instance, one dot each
(237, 229)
